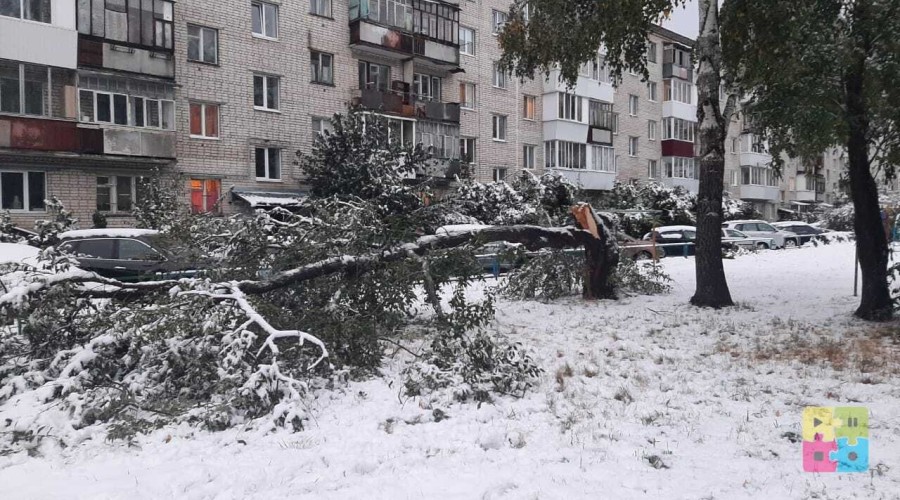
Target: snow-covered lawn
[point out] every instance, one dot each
(646, 397)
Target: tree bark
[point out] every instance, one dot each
(871, 243)
(712, 288)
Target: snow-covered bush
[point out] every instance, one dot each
(60, 220)
(8, 233)
(642, 278)
(735, 209)
(156, 205)
(547, 276)
(641, 207)
(530, 199)
(839, 218)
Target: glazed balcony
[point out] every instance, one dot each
(399, 29)
(406, 104)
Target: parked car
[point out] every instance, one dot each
(805, 232)
(782, 239)
(499, 257)
(124, 254)
(18, 253)
(639, 249)
(744, 240)
(674, 240)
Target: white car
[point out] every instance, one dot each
(761, 228)
(744, 240)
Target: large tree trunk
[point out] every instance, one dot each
(871, 242)
(601, 254)
(712, 288)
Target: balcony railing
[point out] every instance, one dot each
(421, 28)
(406, 104)
(671, 70)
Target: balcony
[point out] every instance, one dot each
(671, 70)
(406, 104)
(760, 193)
(400, 29)
(674, 147)
(39, 43)
(676, 109)
(805, 195)
(48, 135)
(754, 159)
(692, 185)
(594, 180)
(139, 41)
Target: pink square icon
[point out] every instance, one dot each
(816, 455)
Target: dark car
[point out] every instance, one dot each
(124, 254)
(804, 231)
(639, 249)
(674, 240)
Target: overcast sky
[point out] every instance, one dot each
(685, 20)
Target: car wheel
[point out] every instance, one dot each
(643, 255)
(762, 246)
(790, 243)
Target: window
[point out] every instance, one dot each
(653, 169)
(678, 129)
(22, 191)
(570, 107)
(599, 70)
(320, 126)
(528, 156)
(32, 10)
(680, 168)
(603, 158)
(467, 149)
(763, 176)
(205, 195)
(528, 105)
(498, 21)
(427, 87)
(441, 138)
(600, 115)
(26, 88)
(374, 76)
(131, 249)
(651, 91)
(466, 41)
(651, 52)
(104, 107)
(401, 131)
(632, 105)
(97, 249)
(205, 120)
(203, 44)
(320, 7)
(676, 56)
(115, 193)
(265, 92)
(499, 174)
(565, 154)
(678, 90)
(652, 130)
(321, 67)
(265, 19)
(141, 22)
(499, 77)
(632, 146)
(467, 95)
(499, 127)
(268, 164)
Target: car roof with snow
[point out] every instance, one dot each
(746, 221)
(108, 233)
(790, 223)
(17, 253)
(674, 228)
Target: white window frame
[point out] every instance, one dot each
(653, 169)
(499, 174)
(427, 87)
(525, 100)
(652, 130)
(633, 101)
(323, 125)
(570, 107)
(321, 5)
(529, 155)
(203, 106)
(467, 47)
(498, 21)
(201, 37)
(265, 93)
(633, 146)
(652, 56)
(22, 12)
(262, 17)
(113, 184)
(268, 167)
(319, 55)
(464, 148)
(500, 78)
(471, 104)
(603, 158)
(652, 92)
(26, 193)
(499, 133)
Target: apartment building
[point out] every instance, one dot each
(596, 133)
(87, 93)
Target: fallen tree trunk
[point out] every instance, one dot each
(597, 250)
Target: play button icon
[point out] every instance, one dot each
(816, 422)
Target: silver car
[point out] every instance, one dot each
(744, 240)
(761, 228)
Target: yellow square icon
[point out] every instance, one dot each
(817, 420)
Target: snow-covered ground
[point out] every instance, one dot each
(715, 396)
